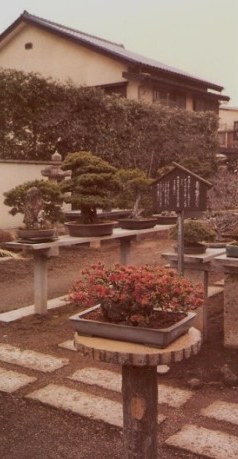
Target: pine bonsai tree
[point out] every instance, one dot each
(135, 192)
(92, 184)
(51, 197)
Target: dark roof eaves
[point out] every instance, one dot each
(184, 169)
(26, 17)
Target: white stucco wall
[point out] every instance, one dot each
(56, 57)
(227, 116)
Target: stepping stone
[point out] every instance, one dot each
(174, 396)
(10, 381)
(106, 379)
(69, 345)
(222, 411)
(11, 316)
(30, 359)
(85, 404)
(205, 442)
(103, 378)
(82, 403)
(163, 369)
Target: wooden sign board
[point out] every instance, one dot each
(180, 190)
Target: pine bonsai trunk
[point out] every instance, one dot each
(136, 211)
(88, 215)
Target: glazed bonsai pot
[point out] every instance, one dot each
(137, 224)
(77, 229)
(36, 235)
(232, 250)
(148, 336)
(165, 219)
(195, 248)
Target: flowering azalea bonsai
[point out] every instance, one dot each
(131, 295)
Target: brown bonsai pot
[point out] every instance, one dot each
(77, 229)
(36, 235)
(165, 219)
(137, 223)
(194, 248)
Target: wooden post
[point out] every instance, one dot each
(180, 242)
(140, 406)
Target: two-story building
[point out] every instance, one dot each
(34, 44)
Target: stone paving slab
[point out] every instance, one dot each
(11, 316)
(173, 396)
(222, 411)
(209, 443)
(10, 381)
(82, 403)
(30, 359)
(69, 345)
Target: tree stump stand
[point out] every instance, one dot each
(139, 383)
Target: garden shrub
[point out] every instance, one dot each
(40, 115)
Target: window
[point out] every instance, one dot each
(169, 97)
(203, 105)
(28, 45)
(235, 133)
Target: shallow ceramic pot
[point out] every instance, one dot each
(154, 337)
(77, 229)
(165, 219)
(232, 251)
(194, 248)
(134, 224)
(36, 235)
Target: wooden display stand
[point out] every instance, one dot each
(139, 383)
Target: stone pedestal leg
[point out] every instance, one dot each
(40, 283)
(125, 245)
(140, 402)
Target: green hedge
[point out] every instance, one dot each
(38, 116)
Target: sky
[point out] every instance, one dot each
(197, 36)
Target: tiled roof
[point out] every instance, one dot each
(113, 49)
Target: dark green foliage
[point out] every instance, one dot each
(51, 194)
(135, 192)
(194, 231)
(92, 185)
(37, 116)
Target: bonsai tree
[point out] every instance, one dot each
(195, 232)
(135, 192)
(46, 201)
(132, 295)
(92, 185)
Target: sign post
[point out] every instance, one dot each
(180, 242)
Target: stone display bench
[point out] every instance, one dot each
(45, 250)
(197, 268)
(139, 383)
(230, 267)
